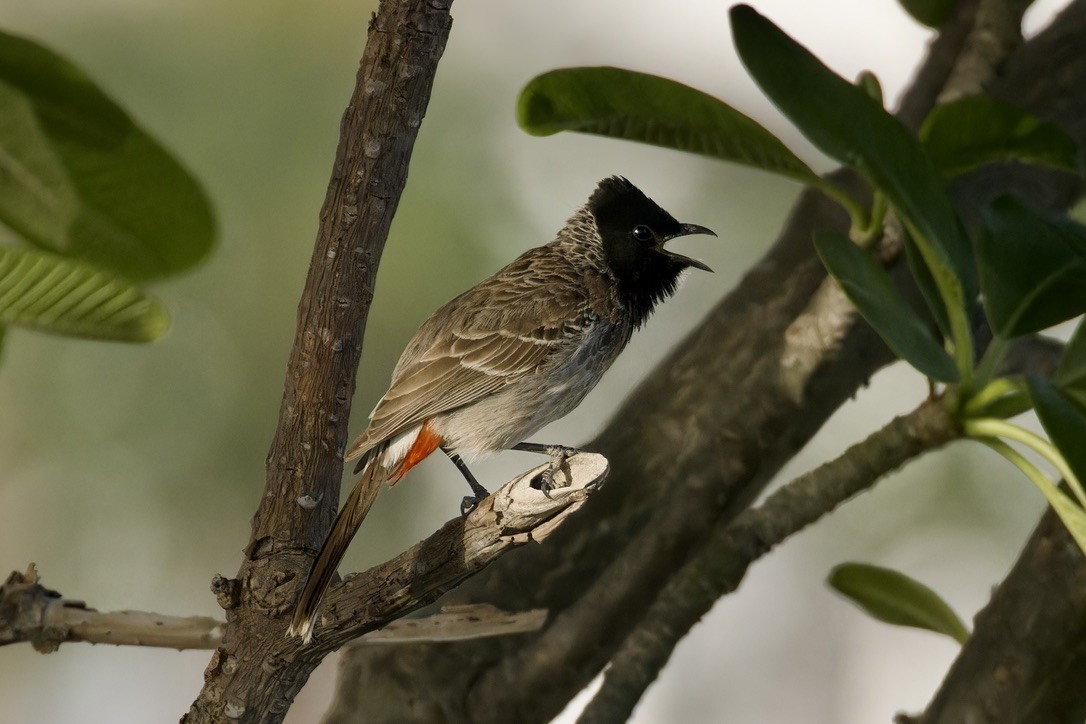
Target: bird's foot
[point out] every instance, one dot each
(470, 503)
(544, 482)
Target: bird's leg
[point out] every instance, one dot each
(470, 502)
(544, 482)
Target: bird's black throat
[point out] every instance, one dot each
(633, 229)
(645, 278)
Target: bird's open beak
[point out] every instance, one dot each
(687, 230)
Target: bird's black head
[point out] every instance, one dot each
(633, 229)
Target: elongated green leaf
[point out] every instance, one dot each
(1032, 267)
(80, 178)
(895, 598)
(932, 13)
(1071, 515)
(640, 107)
(43, 291)
(1071, 377)
(975, 130)
(1064, 421)
(869, 287)
(845, 123)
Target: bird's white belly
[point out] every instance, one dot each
(512, 415)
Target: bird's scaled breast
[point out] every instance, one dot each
(518, 411)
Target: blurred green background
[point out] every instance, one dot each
(130, 472)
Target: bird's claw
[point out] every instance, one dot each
(469, 503)
(544, 482)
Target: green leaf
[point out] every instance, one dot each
(43, 291)
(1032, 267)
(1001, 398)
(932, 13)
(975, 130)
(1007, 406)
(81, 179)
(636, 106)
(869, 287)
(1072, 516)
(845, 123)
(1071, 376)
(894, 598)
(921, 273)
(1064, 421)
(869, 83)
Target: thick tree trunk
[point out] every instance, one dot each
(1026, 660)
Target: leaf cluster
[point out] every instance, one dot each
(1021, 272)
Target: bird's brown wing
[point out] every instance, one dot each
(494, 334)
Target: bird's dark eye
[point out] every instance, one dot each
(642, 233)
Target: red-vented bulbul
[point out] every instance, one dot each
(513, 353)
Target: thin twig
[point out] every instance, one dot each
(721, 564)
(30, 612)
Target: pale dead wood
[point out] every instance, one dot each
(515, 515)
(29, 612)
(32, 613)
(457, 623)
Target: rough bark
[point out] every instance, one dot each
(1026, 659)
(721, 564)
(707, 430)
(249, 677)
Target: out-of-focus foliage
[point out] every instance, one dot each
(80, 179)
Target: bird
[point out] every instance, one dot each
(515, 352)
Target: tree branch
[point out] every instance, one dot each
(365, 603)
(30, 612)
(513, 516)
(304, 465)
(721, 564)
(996, 32)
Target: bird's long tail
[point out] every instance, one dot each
(378, 469)
(350, 517)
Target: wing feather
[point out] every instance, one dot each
(505, 328)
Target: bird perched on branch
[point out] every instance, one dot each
(515, 352)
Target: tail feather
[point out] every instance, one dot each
(347, 522)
